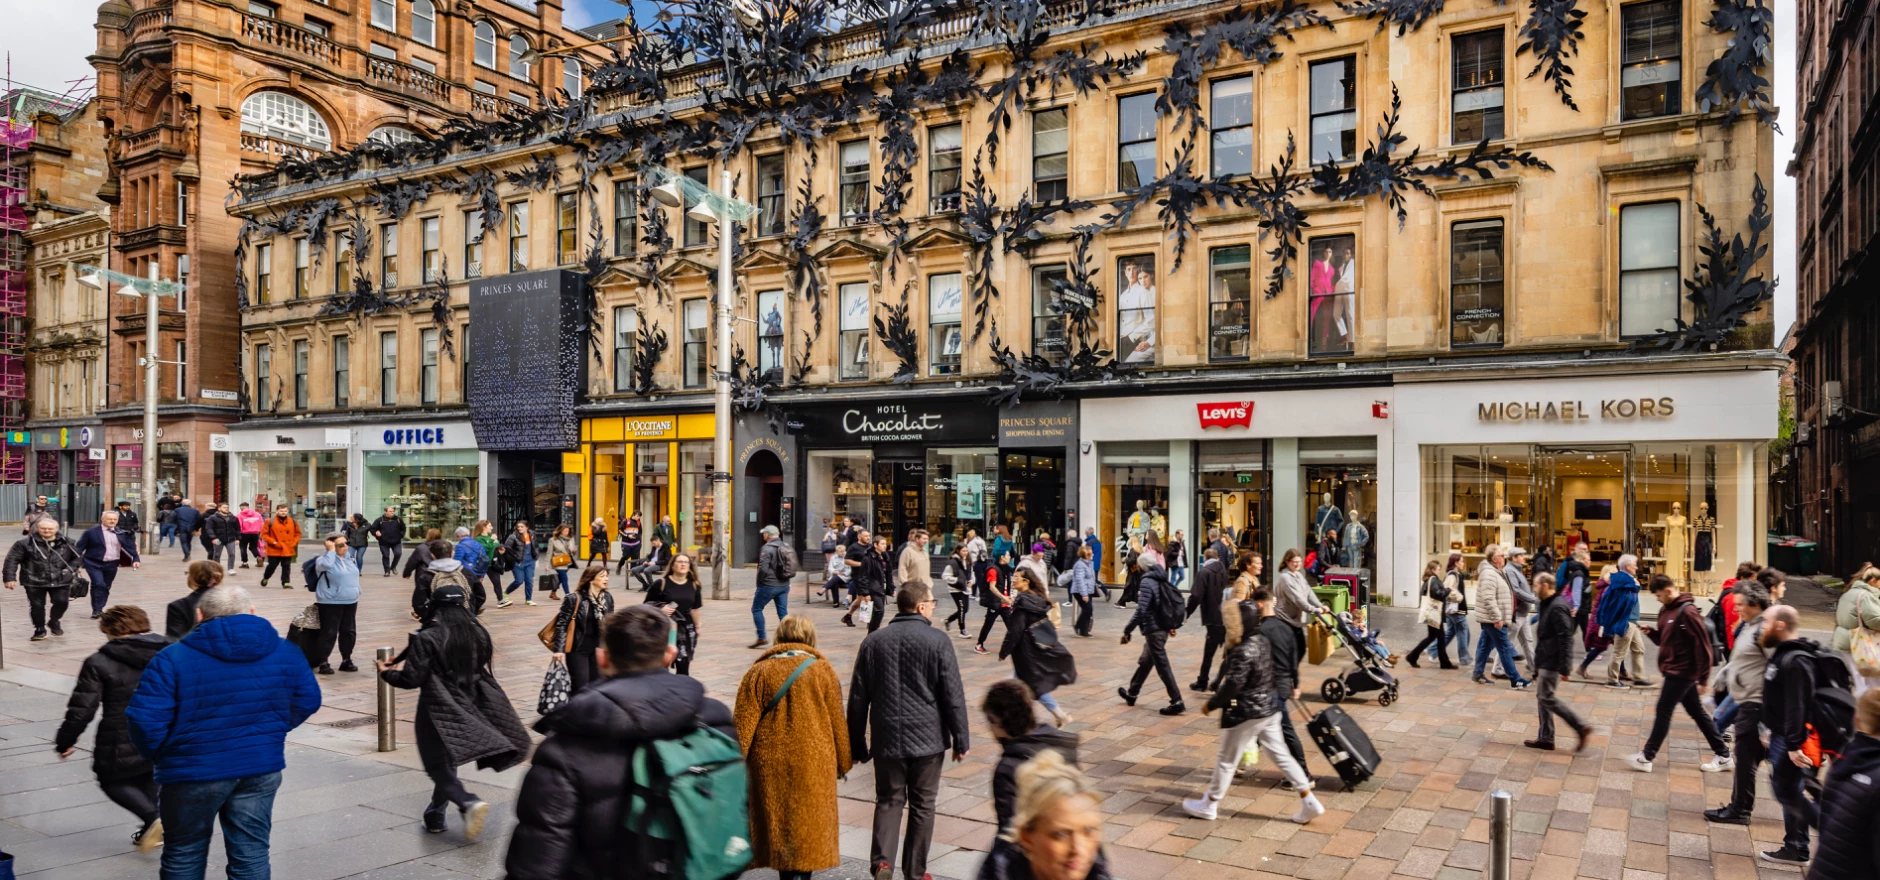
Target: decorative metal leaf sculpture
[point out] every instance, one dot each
(1552, 34)
(1407, 15)
(900, 338)
(1725, 287)
(1734, 80)
(650, 345)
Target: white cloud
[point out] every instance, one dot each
(48, 40)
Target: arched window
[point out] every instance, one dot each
(284, 117)
(486, 45)
(424, 22)
(519, 57)
(392, 134)
(571, 77)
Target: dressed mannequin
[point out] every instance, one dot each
(1677, 544)
(1356, 537)
(1328, 516)
(1138, 524)
(1704, 538)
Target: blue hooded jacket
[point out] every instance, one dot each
(473, 556)
(1619, 604)
(340, 586)
(219, 703)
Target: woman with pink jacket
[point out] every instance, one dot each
(250, 520)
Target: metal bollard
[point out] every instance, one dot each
(1500, 836)
(388, 708)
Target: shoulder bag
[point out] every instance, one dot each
(547, 633)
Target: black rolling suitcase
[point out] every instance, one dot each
(1344, 744)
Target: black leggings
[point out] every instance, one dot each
(286, 564)
(338, 625)
(985, 629)
(137, 794)
(582, 669)
(1438, 637)
(964, 603)
(446, 788)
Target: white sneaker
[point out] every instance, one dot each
(1309, 808)
(1063, 719)
(1204, 808)
(504, 603)
(1639, 763)
(530, 602)
(1717, 764)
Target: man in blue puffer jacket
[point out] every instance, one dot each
(1618, 617)
(211, 714)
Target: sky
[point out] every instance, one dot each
(47, 41)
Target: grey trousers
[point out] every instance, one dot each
(913, 783)
(1548, 681)
(1521, 633)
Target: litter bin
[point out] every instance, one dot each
(1807, 558)
(1782, 555)
(1336, 598)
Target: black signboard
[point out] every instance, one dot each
(908, 420)
(526, 365)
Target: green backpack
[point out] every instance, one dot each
(692, 791)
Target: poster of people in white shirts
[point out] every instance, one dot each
(1135, 309)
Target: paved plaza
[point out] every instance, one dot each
(346, 810)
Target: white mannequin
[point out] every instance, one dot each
(1677, 549)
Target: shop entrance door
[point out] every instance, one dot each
(1584, 497)
(1032, 486)
(903, 482)
(650, 504)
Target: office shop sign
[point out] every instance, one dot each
(1621, 409)
(897, 422)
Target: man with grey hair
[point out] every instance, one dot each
(104, 549)
(776, 565)
(47, 564)
(1520, 632)
(1494, 612)
(212, 713)
(1741, 678)
(1159, 613)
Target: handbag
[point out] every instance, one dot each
(547, 632)
(1865, 647)
(81, 587)
(560, 560)
(555, 688)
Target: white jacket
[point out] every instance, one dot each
(1494, 602)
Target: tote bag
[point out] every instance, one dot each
(555, 687)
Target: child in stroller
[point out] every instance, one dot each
(1370, 655)
(1351, 628)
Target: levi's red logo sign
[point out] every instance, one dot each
(1226, 415)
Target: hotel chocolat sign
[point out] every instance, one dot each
(1618, 409)
(899, 422)
(526, 368)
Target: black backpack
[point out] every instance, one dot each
(1832, 713)
(311, 573)
(1715, 617)
(1169, 611)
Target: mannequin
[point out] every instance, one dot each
(1328, 516)
(1704, 538)
(1356, 537)
(1677, 544)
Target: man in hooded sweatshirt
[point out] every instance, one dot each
(1685, 656)
(569, 813)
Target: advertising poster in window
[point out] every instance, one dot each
(770, 331)
(969, 492)
(1135, 309)
(1333, 279)
(1475, 272)
(945, 306)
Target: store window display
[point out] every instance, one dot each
(311, 484)
(841, 483)
(962, 486)
(697, 517)
(431, 489)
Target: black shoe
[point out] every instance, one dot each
(1199, 687)
(1545, 745)
(1726, 815)
(1173, 709)
(96, 616)
(1412, 660)
(53, 625)
(1784, 856)
(348, 667)
(1126, 695)
(324, 669)
(434, 820)
(39, 634)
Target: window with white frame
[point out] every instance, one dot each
(300, 374)
(945, 306)
(485, 54)
(473, 235)
(264, 364)
(852, 353)
(567, 232)
(1230, 116)
(1135, 140)
(770, 195)
(385, 15)
(342, 261)
(520, 66)
(626, 326)
(380, 50)
(855, 182)
(1050, 154)
(264, 273)
(1651, 71)
(626, 217)
(1476, 110)
(427, 367)
(388, 369)
(388, 255)
(282, 116)
(1334, 103)
(391, 135)
(697, 317)
(424, 22)
(430, 248)
(571, 77)
(342, 372)
(1230, 303)
(1648, 268)
(518, 236)
(944, 147)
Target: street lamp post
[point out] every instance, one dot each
(702, 204)
(151, 289)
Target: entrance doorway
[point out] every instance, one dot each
(898, 497)
(1584, 498)
(763, 479)
(1033, 494)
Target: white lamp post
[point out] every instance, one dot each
(151, 289)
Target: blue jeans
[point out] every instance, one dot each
(1049, 701)
(246, 807)
(524, 574)
(1495, 639)
(1798, 812)
(1175, 577)
(1456, 629)
(168, 533)
(358, 557)
(766, 596)
(561, 574)
(1726, 711)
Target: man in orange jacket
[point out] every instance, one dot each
(280, 540)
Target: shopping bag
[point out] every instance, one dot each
(81, 587)
(1866, 650)
(1318, 643)
(1249, 758)
(308, 618)
(555, 686)
(865, 613)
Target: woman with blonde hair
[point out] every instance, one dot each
(1857, 627)
(680, 595)
(796, 746)
(1039, 659)
(1057, 827)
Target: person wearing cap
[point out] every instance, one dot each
(336, 592)
(776, 564)
(463, 714)
(1521, 630)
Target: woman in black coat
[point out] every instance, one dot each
(107, 680)
(180, 617)
(1038, 658)
(463, 714)
(578, 627)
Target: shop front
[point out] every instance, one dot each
(658, 466)
(1670, 467)
(67, 466)
(1272, 470)
(430, 473)
(304, 468)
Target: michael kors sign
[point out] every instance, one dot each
(1620, 409)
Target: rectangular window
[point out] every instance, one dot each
(852, 357)
(1335, 109)
(1050, 337)
(854, 195)
(567, 234)
(303, 268)
(473, 244)
(1476, 97)
(1230, 115)
(264, 273)
(1475, 284)
(265, 10)
(483, 87)
(696, 231)
(182, 374)
(182, 203)
(626, 217)
(571, 77)
(385, 14)
(342, 372)
(626, 324)
(182, 282)
(945, 305)
(317, 27)
(381, 51)
(427, 367)
(424, 65)
(518, 236)
(342, 262)
(300, 374)
(943, 168)
(264, 364)
(1135, 309)
(388, 255)
(388, 369)
(1651, 72)
(1050, 154)
(1135, 140)
(1648, 268)
(430, 230)
(697, 314)
(770, 195)
(1331, 307)
(770, 334)
(1230, 303)
(519, 98)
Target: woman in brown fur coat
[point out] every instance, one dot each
(794, 752)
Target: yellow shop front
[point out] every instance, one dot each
(658, 466)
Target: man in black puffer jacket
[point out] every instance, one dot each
(107, 680)
(906, 689)
(1159, 614)
(569, 814)
(1849, 833)
(1210, 587)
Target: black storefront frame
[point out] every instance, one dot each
(1198, 537)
